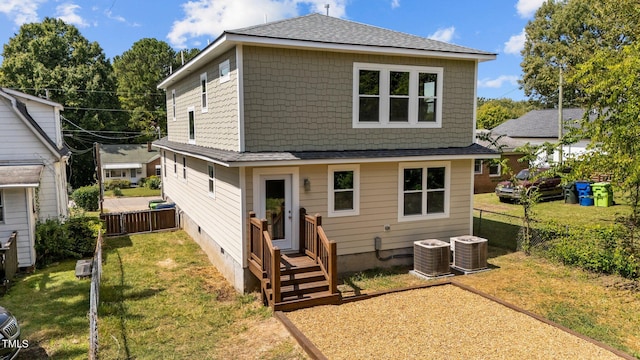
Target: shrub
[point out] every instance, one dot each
(153, 182)
(87, 197)
(74, 238)
(117, 183)
(117, 191)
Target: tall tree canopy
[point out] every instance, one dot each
(565, 33)
(138, 71)
(53, 59)
(493, 112)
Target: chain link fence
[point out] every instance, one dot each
(94, 299)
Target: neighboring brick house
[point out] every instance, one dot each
(371, 128)
(488, 174)
(129, 162)
(33, 159)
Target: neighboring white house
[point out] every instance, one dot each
(33, 179)
(129, 162)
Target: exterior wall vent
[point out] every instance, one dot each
(431, 257)
(469, 252)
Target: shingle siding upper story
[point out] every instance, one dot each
(311, 96)
(218, 127)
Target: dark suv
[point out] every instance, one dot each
(530, 180)
(9, 335)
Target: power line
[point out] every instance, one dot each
(90, 91)
(112, 110)
(102, 131)
(98, 135)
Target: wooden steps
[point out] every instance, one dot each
(302, 284)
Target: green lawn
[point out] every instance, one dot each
(135, 192)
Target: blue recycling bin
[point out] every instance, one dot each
(585, 194)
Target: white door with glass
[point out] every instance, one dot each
(276, 208)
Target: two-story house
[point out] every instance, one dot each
(371, 128)
(33, 158)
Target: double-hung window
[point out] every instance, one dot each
(1, 206)
(175, 164)
(477, 166)
(495, 169)
(212, 180)
(184, 167)
(423, 190)
(173, 104)
(203, 92)
(192, 125)
(396, 96)
(344, 190)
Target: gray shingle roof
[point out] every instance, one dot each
(127, 153)
(538, 123)
(230, 157)
(327, 29)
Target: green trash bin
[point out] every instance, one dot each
(570, 193)
(602, 194)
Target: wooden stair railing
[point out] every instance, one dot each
(316, 244)
(268, 256)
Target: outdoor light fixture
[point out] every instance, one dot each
(307, 185)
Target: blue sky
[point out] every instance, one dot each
(495, 26)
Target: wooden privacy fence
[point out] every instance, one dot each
(9, 260)
(139, 221)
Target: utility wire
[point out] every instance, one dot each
(90, 91)
(112, 110)
(98, 135)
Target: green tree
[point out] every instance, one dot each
(493, 112)
(610, 81)
(138, 71)
(565, 33)
(53, 59)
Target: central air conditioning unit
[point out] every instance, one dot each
(431, 257)
(469, 252)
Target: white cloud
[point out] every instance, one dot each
(497, 82)
(212, 17)
(21, 11)
(515, 44)
(395, 4)
(443, 34)
(110, 15)
(67, 12)
(526, 8)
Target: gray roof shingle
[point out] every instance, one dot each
(327, 29)
(127, 153)
(538, 123)
(230, 157)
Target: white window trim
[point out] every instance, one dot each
(499, 170)
(481, 167)
(384, 97)
(224, 65)
(173, 103)
(191, 109)
(356, 190)
(447, 190)
(175, 165)
(2, 204)
(211, 179)
(204, 101)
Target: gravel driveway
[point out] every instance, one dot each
(440, 322)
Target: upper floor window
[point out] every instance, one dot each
(203, 91)
(192, 126)
(212, 180)
(224, 71)
(1, 206)
(173, 103)
(344, 190)
(184, 167)
(423, 190)
(396, 96)
(477, 166)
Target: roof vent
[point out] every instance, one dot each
(431, 257)
(469, 253)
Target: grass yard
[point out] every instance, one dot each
(51, 306)
(162, 299)
(135, 192)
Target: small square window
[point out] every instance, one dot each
(495, 169)
(477, 167)
(212, 180)
(344, 190)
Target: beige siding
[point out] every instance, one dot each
(308, 104)
(218, 127)
(379, 207)
(219, 217)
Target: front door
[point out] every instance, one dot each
(277, 208)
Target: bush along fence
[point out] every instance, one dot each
(94, 299)
(606, 249)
